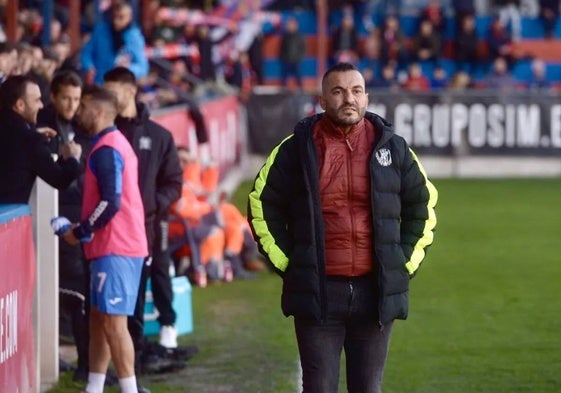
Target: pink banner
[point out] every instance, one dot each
(17, 280)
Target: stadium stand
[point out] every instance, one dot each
(533, 44)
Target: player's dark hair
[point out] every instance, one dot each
(101, 95)
(65, 78)
(120, 75)
(339, 67)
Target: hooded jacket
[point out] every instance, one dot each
(285, 216)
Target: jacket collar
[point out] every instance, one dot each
(386, 128)
(13, 120)
(336, 131)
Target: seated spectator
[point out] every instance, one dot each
(499, 41)
(387, 79)
(44, 72)
(114, 42)
(67, 59)
(392, 46)
(177, 86)
(8, 60)
(416, 81)
(549, 13)
(434, 13)
(235, 237)
(460, 81)
(538, 80)
(371, 47)
(25, 59)
(345, 41)
(237, 73)
(466, 51)
(462, 8)
(200, 224)
(439, 78)
(369, 77)
(499, 76)
(217, 229)
(427, 44)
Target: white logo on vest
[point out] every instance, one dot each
(384, 157)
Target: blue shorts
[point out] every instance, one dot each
(114, 283)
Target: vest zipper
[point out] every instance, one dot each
(350, 197)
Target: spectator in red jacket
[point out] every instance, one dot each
(416, 81)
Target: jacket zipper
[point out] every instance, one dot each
(350, 195)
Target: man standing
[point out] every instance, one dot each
(115, 41)
(112, 213)
(292, 52)
(66, 90)
(344, 212)
(160, 182)
(24, 152)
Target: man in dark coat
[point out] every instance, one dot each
(292, 51)
(24, 151)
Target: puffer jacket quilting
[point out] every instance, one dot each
(285, 215)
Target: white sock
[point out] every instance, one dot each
(96, 381)
(128, 385)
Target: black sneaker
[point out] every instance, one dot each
(181, 352)
(154, 364)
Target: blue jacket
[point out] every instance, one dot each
(98, 53)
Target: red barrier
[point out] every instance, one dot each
(223, 120)
(17, 264)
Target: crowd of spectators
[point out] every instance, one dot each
(198, 48)
(437, 56)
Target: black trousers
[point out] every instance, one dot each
(159, 273)
(74, 296)
(157, 268)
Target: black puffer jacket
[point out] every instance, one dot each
(285, 216)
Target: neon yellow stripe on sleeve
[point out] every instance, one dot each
(428, 232)
(265, 238)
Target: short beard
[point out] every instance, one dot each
(345, 121)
